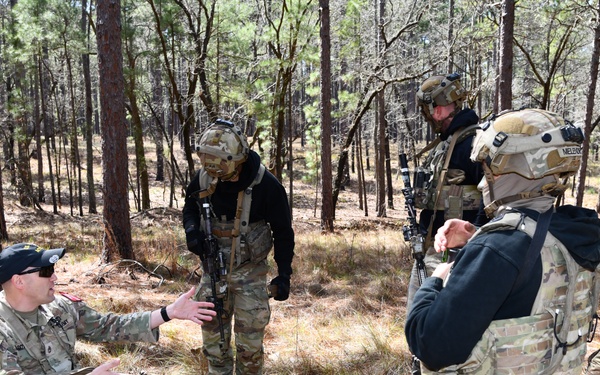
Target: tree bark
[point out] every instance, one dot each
(89, 110)
(3, 229)
(505, 68)
(327, 212)
(450, 58)
(158, 123)
(379, 137)
(117, 226)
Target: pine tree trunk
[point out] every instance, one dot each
(117, 226)
(327, 212)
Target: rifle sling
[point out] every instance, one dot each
(431, 145)
(242, 219)
(236, 238)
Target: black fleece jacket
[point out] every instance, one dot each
(446, 323)
(269, 203)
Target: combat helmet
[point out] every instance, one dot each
(532, 143)
(222, 148)
(440, 90)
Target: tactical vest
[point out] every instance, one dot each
(553, 339)
(253, 241)
(454, 198)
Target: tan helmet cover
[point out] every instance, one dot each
(531, 142)
(440, 90)
(221, 149)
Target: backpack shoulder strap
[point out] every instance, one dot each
(537, 230)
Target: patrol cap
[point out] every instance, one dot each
(16, 258)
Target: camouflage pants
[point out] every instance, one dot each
(432, 260)
(247, 306)
(593, 364)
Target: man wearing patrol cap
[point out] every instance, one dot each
(247, 211)
(523, 291)
(38, 330)
(17, 258)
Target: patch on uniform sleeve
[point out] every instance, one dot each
(71, 297)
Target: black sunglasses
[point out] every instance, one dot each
(47, 271)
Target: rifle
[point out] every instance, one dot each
(214, 264)
(413, 236)
(411, 232)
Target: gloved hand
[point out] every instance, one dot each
(195, 240)
(282, 282)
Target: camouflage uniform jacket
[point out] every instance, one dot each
(481, 323)
(48, 347)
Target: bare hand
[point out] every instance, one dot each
(454, 233)
(186, 308)
(442, 270)
(105, 368)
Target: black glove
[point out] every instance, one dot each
(195, 240)
(283, 287)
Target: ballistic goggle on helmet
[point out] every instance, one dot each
(530, 142)
(222, 148)
(440, 90)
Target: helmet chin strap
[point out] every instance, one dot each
(549, 189)
(232, 175)
(489, 178)
(450, 115)
(495, 205)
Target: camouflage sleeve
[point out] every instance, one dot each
(8, 357)
(9, 365)
(96, 327)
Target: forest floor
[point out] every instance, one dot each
(345, 314)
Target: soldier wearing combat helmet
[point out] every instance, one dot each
(247, 211)
(441, 100)
(525, 285)
(441, 91)
(222, 151)
(446, 186)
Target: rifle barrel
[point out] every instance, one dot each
(404, 170)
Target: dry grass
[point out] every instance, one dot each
(345, 314)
